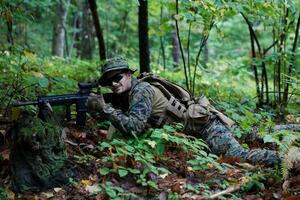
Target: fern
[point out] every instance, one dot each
(288, 146)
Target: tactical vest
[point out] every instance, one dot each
(181, 106)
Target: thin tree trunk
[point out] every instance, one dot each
(73, 39)
(93, 7)
(188, 54)
(10, 38)
(175, 48)
(87, 36)
(66, 42)
(77, 35)
(202, 44)
(123, 27)
(280, 50)
(292, 64)
(59, 28)
(254, 66)
(143, 37)
(206, 52)
(181, 49)
(161, 38)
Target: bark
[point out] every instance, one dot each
(163, 52)
(175, 48)
(292, 64)
(93, 7)
(181, 48)
(206, 52)
(10, 38)
(201, 47)
(253, 54)
(87, 37)
(59, 28)
(161, 38)
(143, 37)
(75, 35)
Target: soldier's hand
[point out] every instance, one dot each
(95, 102)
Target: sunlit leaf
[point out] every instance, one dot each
(104, 171)
(122, 172)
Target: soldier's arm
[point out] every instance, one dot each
(139, 111)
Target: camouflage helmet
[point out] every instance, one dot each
(115, 63)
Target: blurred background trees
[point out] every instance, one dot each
(200, 44)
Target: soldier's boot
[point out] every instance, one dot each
(221, 141)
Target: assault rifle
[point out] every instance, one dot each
(79, 99)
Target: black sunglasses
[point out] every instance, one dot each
(116, 78)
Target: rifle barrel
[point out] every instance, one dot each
(25, 103)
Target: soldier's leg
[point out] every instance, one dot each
(221, 141)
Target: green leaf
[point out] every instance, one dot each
(104, 171)
(160, 148)
(268, 139)
(134, 171)
(111, 192)
(152, 184)
(43, 82)
(122, 172)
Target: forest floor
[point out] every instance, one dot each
(236, 181)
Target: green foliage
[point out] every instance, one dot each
(284, 139)
(25, 75)
(147, 152)
(255, 179)
(115, 192)
(3, 195)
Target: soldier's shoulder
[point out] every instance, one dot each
(142, 89)
(141, 85)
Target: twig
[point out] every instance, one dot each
(229, 190)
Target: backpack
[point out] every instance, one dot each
(182, 105)
(168, 88)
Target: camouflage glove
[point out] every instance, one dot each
(95, 102)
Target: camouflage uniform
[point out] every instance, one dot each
(38, 155)
(149, 106)
(219, 138)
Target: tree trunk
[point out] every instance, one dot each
(161, 38)
(292, 64)
(87, 36)
(175, 48)
(75, 34)
(93, 7)
(59, 28)
(206, 52)
(143, 37)
(9, 24)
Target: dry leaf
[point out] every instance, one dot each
(93, 188)
(85, 182)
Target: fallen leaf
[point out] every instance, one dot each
(93, 188)
(57, 189)
(47, 195)
(176, 187)
(85, 182)
(163, 176)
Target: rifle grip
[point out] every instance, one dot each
(81, 110)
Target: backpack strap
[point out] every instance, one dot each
(167, 87)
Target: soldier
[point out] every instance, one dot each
(149, 106)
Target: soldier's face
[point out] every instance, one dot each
(119, 82)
